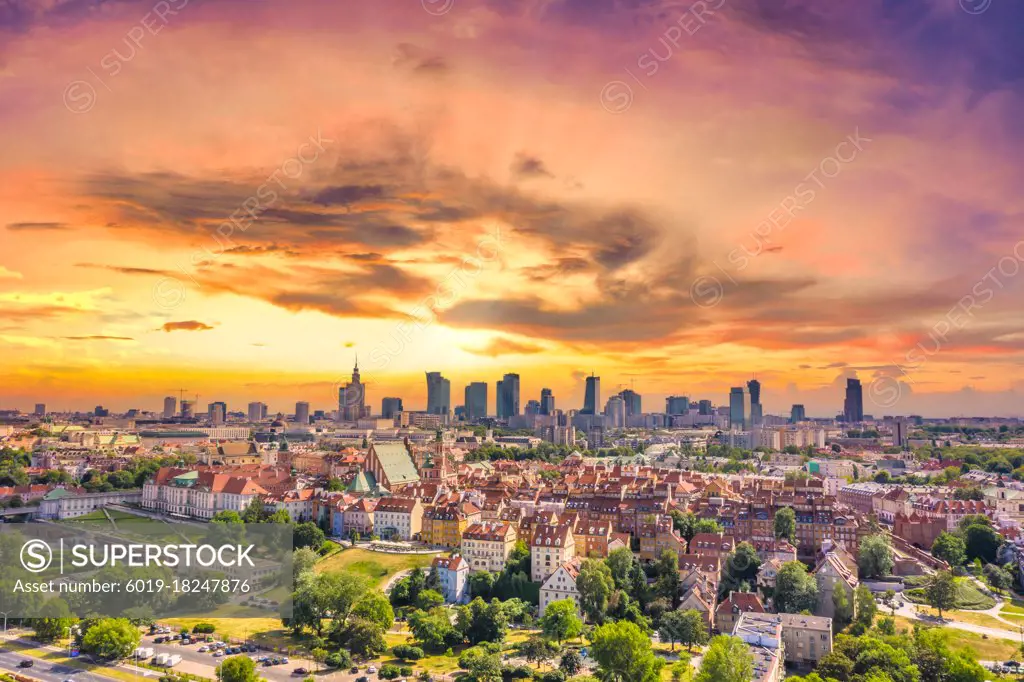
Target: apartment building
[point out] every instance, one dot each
(486, 546)
(552, 546)
(398, 518)
(454, 575)
(561, 585)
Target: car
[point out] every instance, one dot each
(26, 664)
(159, 640)
(203, 649)
(284, 659)
(371, 670)
(218, 653)
(299, 671)
(260, 659)
(364, 678)
(175, 637)
(267, 663)
(354, 669)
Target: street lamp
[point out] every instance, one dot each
(5, 620)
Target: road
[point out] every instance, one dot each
(908, 611)
(46, 671)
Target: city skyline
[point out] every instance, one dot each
(548, 188)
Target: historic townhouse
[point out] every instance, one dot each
(486, 546)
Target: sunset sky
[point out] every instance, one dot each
(671, 194)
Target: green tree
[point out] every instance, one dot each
(485, 668)
(571, 663)
(672, 628)
(375, 607)
(842, 608)
(237, 669)
(433, 630)
(941, 592)
(727, 659)
(740, 568)
(623, 654)
(950, 548)
(867, 609)
(874, 557)
(111, 639)
(785, 524)
(695, 630)
(308, 534)
(254, 512)
(620, 561)
(595, 585)
(560, 621)
(795, 589)
(303, 561)
(667, 571)
(997, 577)
(536, 650)
(982, 542)
(429, 599)
(363, 637)
(481, 584)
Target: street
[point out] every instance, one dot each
(46, 671)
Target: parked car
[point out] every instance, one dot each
(354, 669)
(371, 670)
(203, 649)
(299, 671)
(26, 664)
(218, 653)
(364, 678)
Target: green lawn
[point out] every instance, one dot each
(968, 597)
(375, 565)
(991, 649)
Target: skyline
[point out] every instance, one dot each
(551, 188)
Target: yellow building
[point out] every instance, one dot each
(443, 525)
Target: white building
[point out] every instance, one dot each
(561, 585)
(552, 546)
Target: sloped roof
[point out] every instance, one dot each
(396, 462)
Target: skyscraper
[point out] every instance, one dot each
(476, 400)
(256, 411)
(389, 407)
(853, 406)
(352, 398)
(217, 412)
(797, 414)
(508, 396)
(737, 408)
(704, 407)
(187, 409)
(532, 407)
(592, 397)
(677, 404)
(754, 389)
(547, 401)
(170, 406)
(439, 394)
(633, 402)
(302, 412)
(615, 412)
(40, 410)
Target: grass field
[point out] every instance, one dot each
(238, 628)
(375, 565)
(991, 649)
(968, 597)
(971, 617)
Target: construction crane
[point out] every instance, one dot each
(181, 393)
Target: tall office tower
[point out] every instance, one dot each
(853, 406)
(263, 410)
(40, 410)
(389, 407)
(216, 413)
(704, 407)
(633, 402)
(899, 432)
(754, 389)
(532, 407)
(797, 414)
(547, 401)
(352, 398)
(187, 409)
(592, 398)
(737, 411)
(170, 407)
(508, 396)
(257, 411)
(302, 412)
(211, 408)
(476, 400)
(677, 404)
(100, 411)
(439, 394)
(615, 412)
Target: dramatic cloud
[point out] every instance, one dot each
(504, 346)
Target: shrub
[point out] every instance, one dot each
(406, 671)
(389, 671)
(516, 672)
(553, 676)
(339, 659)
(203, 629)
(407, 652)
